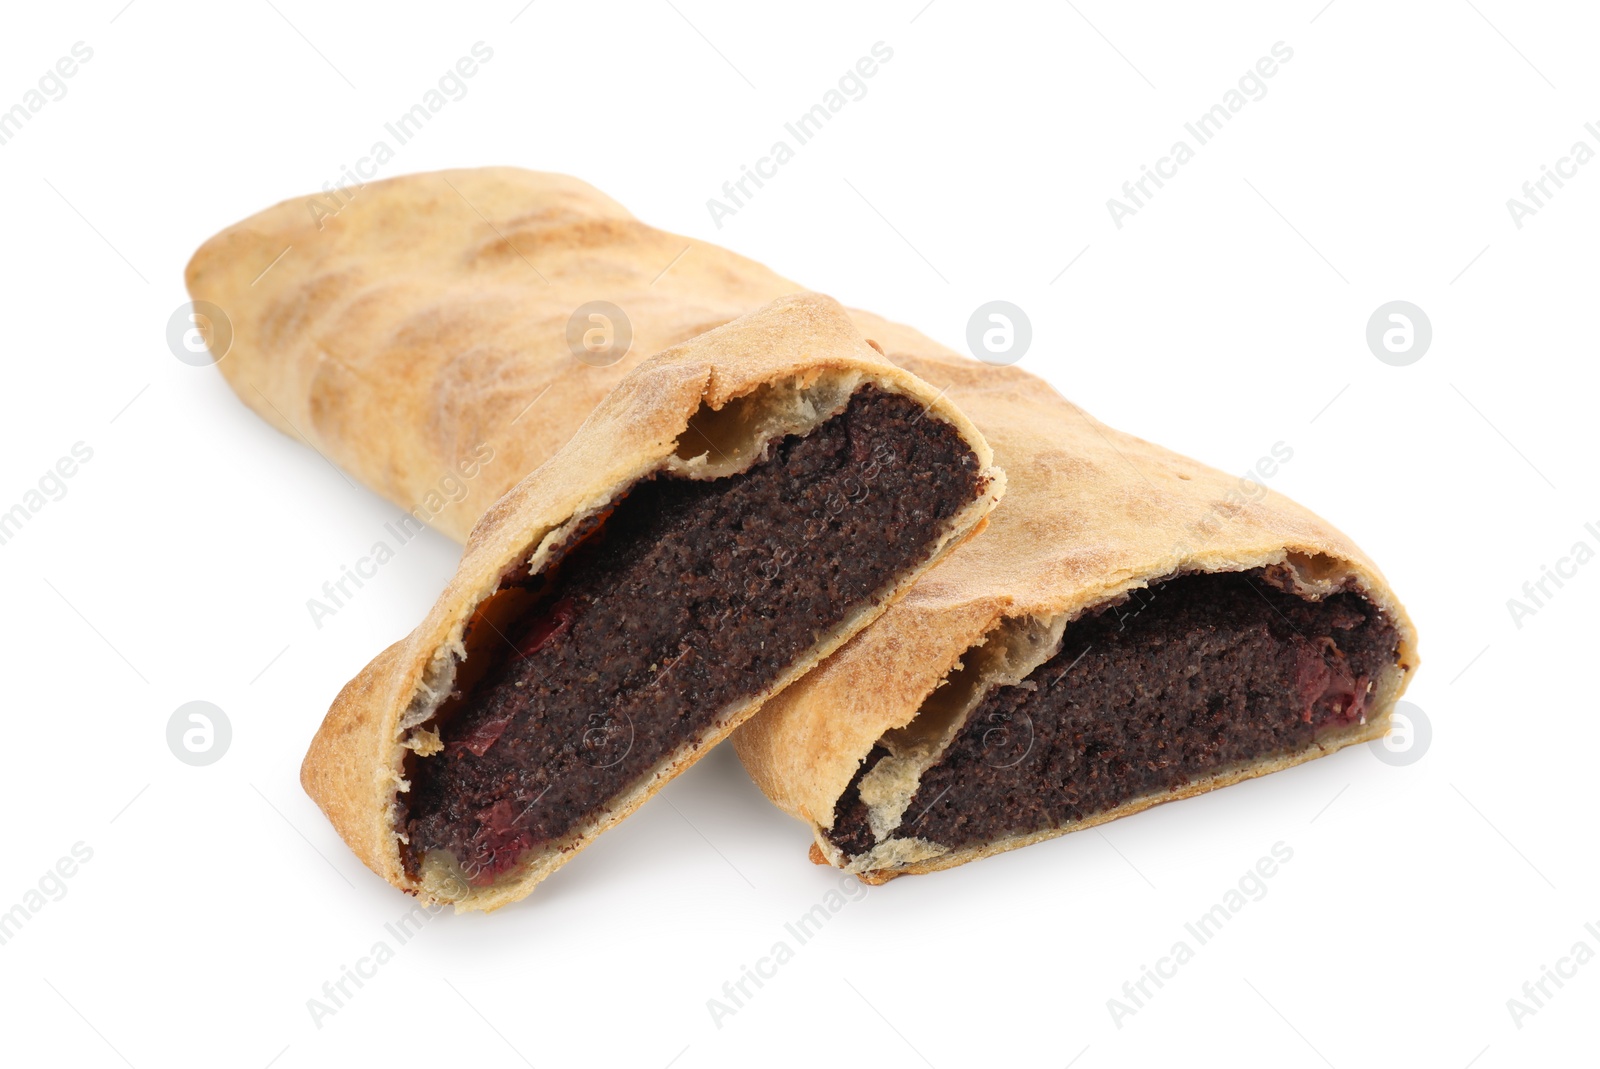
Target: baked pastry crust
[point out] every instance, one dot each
(428, 319)
(781, 370)
(428, 363)
(1091, 513)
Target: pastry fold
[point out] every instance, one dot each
(580, 656)
(422, 339)
(938, 734)
(1132, 627)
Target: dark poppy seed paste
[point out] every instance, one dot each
(688, 596)
(1194, 675)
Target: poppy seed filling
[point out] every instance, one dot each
(684, 601)
(1191, 676)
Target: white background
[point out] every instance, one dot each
(1227, 315)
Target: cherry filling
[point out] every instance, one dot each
(1191, 676)
(688, 599)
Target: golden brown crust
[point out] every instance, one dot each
(1090, 513)
(801, 343)
(428, 318)
(430, 362)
